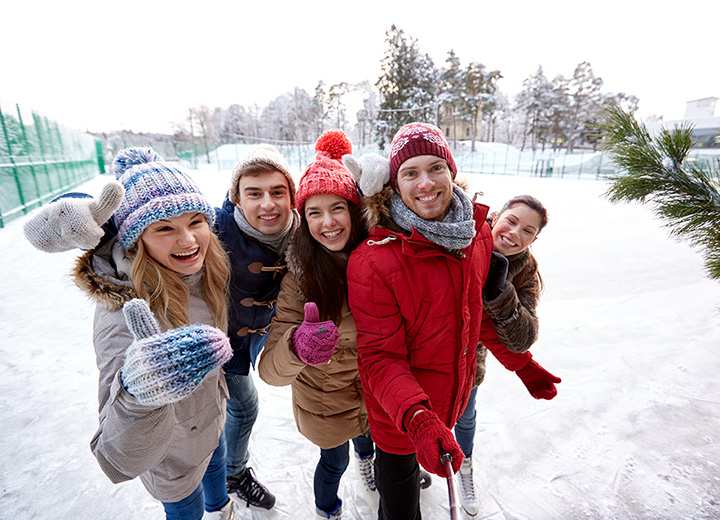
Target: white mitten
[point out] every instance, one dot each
(71, 223)
(371, 171)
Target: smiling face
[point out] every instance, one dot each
(425, 186)
(515, 229)
(179, 243)
(264, 199)
(328, 219)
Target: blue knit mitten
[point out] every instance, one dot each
(164, 367)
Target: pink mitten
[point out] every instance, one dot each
(314, 341)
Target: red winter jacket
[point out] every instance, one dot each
(418, 310)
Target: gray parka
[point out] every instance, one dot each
(168, 447)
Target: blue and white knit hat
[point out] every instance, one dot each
(154, 190)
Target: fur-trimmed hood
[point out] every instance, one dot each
(95, 275)
(377, 207)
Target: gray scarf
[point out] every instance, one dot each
(454, 232)
(278, 242)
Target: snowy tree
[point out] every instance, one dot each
(685, 195)
(452, 87)
(533, 101)
(238, 124)
(336, 105)
(302, 115)
(407, 85)
(367, 114)
(557, 112)
(201, 123)
(276, 122)
(510, 120)
(585, 103)
(490, 103)
(320, 108)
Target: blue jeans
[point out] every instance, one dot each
(242, 410)
(210, 495)
(330, 468)
(465, 427)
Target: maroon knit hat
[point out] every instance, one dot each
(327, 174)
(415, 139)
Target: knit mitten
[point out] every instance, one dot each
(496, 277)
(70, 223)
(539, 382)
(163, 367)
(432, 439)
(371, 172)
(315, 341)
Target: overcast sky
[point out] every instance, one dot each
(140, 64)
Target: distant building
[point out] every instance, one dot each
(455, 128)
(701, 108)
(704, 115)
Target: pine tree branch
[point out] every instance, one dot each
(687, 198)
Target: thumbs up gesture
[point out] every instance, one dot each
(164, 367)
(315, 341)
(70, 222)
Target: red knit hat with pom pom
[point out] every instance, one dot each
(327, 174)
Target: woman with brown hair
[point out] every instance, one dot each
(311, 345)
(510, 297)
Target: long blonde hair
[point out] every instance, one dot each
(168, 295)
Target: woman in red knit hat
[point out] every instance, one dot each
(311, 345)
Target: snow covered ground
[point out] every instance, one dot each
(628, 320)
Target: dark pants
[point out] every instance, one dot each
(398, 484)
(330, 468)
(210, 495)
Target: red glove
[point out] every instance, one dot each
(431, 439)
(539, 382)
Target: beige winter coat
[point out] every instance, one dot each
(168, 447)
(327, 400)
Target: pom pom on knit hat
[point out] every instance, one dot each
(154, 190)
(327, 175)
(334, 144)
(415, 139)
(132, 156)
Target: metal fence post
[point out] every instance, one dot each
(38, 131)
(99, 152)
(29, 155)
(582, 156)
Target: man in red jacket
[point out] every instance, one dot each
(415, 291)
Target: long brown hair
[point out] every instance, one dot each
(324, 276)
(168, 295)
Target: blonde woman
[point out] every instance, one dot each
(161, 391)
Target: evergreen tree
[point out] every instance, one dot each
(585, 103)
(336, 104)
(407, 85)
(533, 102)
(474, 97)
(320, 108)
(490, 103)
(557, 112)
(450, 99)
(685, 196)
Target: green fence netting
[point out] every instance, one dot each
(39, 160)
